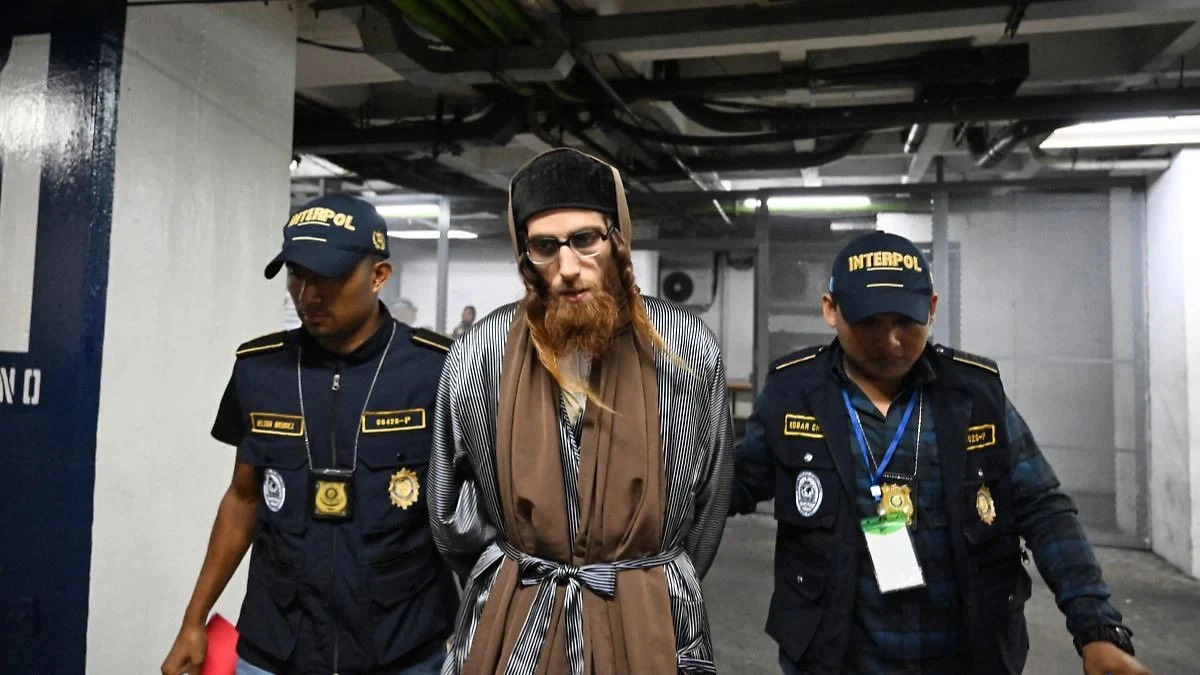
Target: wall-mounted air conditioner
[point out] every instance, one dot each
(686, 278)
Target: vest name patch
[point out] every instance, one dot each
(981, 436)
(802, 425)
(276, 424)
(393, 420)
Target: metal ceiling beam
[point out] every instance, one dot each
(1185, 42)
(835, 119)
(952, 187)
(650, 204)
(497, 126)
(761, 28)
(792, 161)
(994, 68)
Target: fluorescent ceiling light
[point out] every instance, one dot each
(812, 203)
(852, 225)
(1138, 131)
(408, 210)
(430, 234)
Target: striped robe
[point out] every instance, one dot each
(697, 445)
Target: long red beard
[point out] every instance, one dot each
(569, 327)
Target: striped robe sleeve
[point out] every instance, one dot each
(460, 526)
(712, 494)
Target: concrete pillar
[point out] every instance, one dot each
(1174, 318)
(200, 196)
(443, 263)
(1125, 235)
(762, 293)
(58, 107)
(941, 265)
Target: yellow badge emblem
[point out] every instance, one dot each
(379, 239)
(985, 505)
(405, 488)
(897, 499)
(330, 499)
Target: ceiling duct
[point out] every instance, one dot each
(387, 37)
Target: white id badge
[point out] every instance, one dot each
(892, 553)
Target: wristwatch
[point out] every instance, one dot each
(1118, 635)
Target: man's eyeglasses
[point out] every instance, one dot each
(585, 244)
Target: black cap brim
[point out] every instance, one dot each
(863, 305)
(316, 257)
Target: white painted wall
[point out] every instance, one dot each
(731, 318)
(483, 273)
(201, 192)
(1174, 313)
(1037, 297)
(1045, 280)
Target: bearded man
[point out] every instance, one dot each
(581, 467)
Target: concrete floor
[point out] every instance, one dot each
(1160, 604)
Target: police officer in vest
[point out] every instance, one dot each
(904, 480)
(332, 427)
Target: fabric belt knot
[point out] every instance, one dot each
(599, 578)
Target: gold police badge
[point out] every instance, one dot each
(331, 500)
(985, 505)
(379, 239)
(897, 499)
(405, 488)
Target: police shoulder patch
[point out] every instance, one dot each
(795, 358)
(264, 344)
(432, 340)
(959, 356)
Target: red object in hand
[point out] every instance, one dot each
(221, 658)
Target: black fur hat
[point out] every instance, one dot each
(562, 179)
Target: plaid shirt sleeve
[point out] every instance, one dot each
(1048, 521)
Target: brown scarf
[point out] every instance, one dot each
(621, 503)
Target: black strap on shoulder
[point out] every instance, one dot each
(966, 358)
(796, 358)
(264, 344)
(432, 340)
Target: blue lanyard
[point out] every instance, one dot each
(862, 441)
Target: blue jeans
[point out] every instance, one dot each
(244, 668)
(428, 662)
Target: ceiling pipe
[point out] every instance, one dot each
(999, 149)
(670, 153)
(996, 68)
(1093, 106)
(769, 161)
(496, 126)
(1076, 163)
(710, 118)
(914, 138)
(974, 136)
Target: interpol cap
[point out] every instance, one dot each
(881, 273)
(330, 235)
